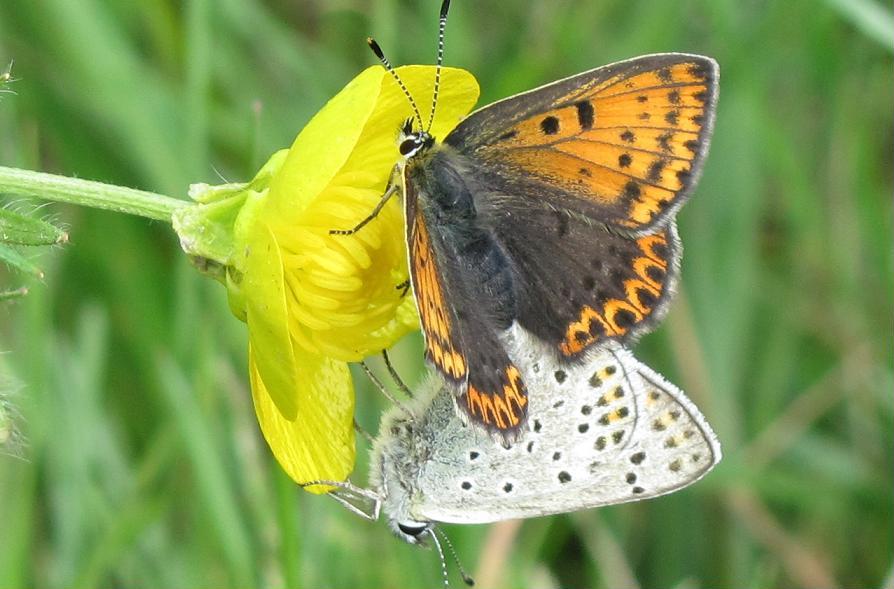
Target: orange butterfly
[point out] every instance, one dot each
(551, 211)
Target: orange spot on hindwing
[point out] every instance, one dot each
(643, 287)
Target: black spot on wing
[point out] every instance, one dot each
(549, 125)
(585, 114)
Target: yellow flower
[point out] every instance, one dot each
(314, 301)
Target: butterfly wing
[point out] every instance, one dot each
(618, 432)
(579, 180)
(578, 284)
(621, 144)
(454, 323)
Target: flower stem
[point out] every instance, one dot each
(88, 193)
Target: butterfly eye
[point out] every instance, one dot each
(408, 146)
(412, 530)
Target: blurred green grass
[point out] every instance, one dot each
(144, 463)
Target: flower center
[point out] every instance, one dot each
(343, 288)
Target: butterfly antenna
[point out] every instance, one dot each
(442, 24)
(375, 380)
(437, 543)
(466, 578)
(381, 55)
(395, 376)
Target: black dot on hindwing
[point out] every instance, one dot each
(600, 443)
(557, 455)
(473, 455)
(624, 318)
(466, 485)
(645, 297)
(630, 478)
(638, 490)
(530, 447)
(596, 329)
(638, 458)
(582, 428)
(586, 410)
(537, 426)
(564, 477)
(549, 125)
(560, 375)
(507, 487)
(655, 274)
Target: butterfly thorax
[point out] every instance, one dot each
(393, 471)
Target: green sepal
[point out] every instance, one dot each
(16, 260)
(20, 229)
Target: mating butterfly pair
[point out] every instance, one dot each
(554, 211)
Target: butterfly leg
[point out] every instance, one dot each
(394, 375)
(353, 498)
(375, 213)
(404, 287)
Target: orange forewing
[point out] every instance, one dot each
(437, 323)
(627, 139)
(502, 409)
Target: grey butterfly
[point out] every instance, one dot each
(606, 431)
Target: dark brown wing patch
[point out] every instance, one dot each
(614, 317)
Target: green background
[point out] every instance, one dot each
(144, 466)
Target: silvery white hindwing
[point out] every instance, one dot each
(607, 431)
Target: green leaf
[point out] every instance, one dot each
(18, 261)
(22, 230)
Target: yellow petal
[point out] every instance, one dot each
(376, 149)
(323, 146)
(267, 314)
(319, 443)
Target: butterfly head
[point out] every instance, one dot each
(411, 142)
(411, 531)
